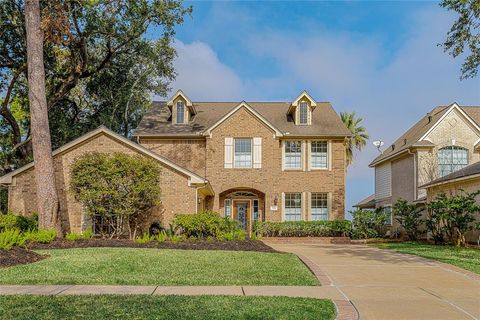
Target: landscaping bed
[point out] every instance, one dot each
(163, 307)
(234, 245)
(17, 255)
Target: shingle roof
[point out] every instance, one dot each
(368, 202)
(466, 172)
(411, 136)
(157, 121)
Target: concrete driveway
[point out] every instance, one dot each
(382, 284)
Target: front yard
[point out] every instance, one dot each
(466, 258)
(139, 266)
(163, 307)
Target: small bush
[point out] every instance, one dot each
(368, 223)
(72, 236)
(204, 224)
(8, 222)
(12, 221)
(11, 238)
(41, 236)
(232, 235)
(145, 238)
(87, 234)
(409, 217)
(161, 237)
(326, 228)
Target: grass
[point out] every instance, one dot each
(466, 258)
(163, 307)
(135, 266)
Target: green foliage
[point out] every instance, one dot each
(232, 235)
(11, 238)
(41, 236)
(145, 238)
(359, 137)
(23, 223)
(327, 228)
(368, 223)
(464, 35)
(72, 236)
(117, 184)
(409, 217)
(101, 68)
(204, 224)
(452, 217)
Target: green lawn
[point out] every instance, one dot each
(136, 266)
(467, 258)
(163, 307)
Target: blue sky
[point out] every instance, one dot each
(379, 59)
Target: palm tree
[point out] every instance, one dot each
(359, 137)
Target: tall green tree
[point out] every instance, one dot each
(464, 35)
(359, 137)
(100, 67)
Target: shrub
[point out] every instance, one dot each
(118, 185)
(368, 223)
(28, 223)
(452, 217)
(327, 228)
(8, 222)
(72, 236)
(232, 235)
(11, 238)
(409, 217)
(41, 236)
(145, 238)
(204, 224)
(87, 234)
(11, 221)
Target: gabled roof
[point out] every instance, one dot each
(469, 172)
(188, 102)
(193, 178)
(415, 136)
(368, 202)
(157, 121)
(297, 100)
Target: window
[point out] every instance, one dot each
(255, 210)
(387, 211)
(243, 153)
(228, 208)
(319, 155)
(293, 155)
(293, 206)
(180, 112)
(319, 206)
(451, 159)
(303, 113)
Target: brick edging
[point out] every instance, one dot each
(344, 308)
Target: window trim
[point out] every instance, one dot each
(451, 148)
(251, 153)
(310, 155)
(301, 104)
(327, 200)
(389, 206)
(302, 156)
(225, 206)
(284, 206)
(183, 111)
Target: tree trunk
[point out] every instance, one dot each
(47, 198)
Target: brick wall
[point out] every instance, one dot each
(176, 195)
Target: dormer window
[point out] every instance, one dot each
(303, 113)
(180, 112)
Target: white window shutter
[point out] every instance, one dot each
(228, 152)
(257, 152)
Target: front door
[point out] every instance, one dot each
(241, 213)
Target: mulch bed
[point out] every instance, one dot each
(243, 245)
(19, 255)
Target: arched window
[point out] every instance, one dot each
(451, 159)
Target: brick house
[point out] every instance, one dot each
(444, 141)
(275, 161)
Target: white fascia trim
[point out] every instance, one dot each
(313, 103)
(430, 185)
(243, 104)
(454, 106)
(176, 95)
(193, 178)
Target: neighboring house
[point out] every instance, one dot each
(266, 161)
(456, 183)
(444, 141)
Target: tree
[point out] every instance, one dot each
(359, 137)
(368, 223)
(120, 188)
(464, 35)
(86, 43)
(47, 197)
(409, 217)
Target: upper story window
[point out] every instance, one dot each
(303, 113)
(293, 155)
(243, 153)
(319, 155)
(451, 159)
(180, 112)
(293, 206)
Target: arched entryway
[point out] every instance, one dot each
(244, 205)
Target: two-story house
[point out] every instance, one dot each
(268, 161)
(445, 140)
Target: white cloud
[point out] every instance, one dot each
(202, 76)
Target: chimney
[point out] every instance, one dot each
(429, 117)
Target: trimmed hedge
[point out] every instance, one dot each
(207, 224)
(327, 228)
